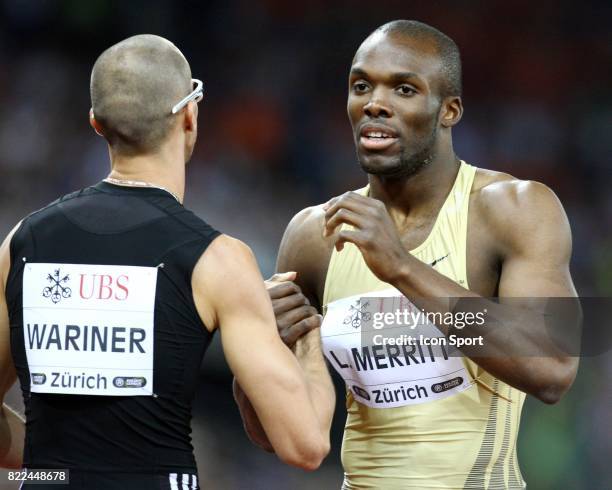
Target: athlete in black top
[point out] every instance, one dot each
(113, 225)
(113, 294)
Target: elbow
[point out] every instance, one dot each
(317, 455)
(259, 440)
(309, 457)
(557, 386)
(550, 395)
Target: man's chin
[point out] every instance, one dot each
(394, 167)
(384, 167)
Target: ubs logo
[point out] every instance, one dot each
(59, 287)
(104, 287)
(357, 314)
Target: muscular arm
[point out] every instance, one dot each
(537, 247)
(12, 430)
(531, 230)
(229, 293)
(303, 253)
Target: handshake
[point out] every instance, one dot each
(295, 316)
(298, 430)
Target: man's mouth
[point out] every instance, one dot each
(377, 137)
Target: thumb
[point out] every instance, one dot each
(283, 276)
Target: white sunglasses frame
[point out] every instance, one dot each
(197, 95)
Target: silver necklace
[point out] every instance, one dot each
(139, 183)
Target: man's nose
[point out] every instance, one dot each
(377, 106)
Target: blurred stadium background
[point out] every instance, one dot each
(274, 138)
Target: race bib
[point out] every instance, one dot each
(88, 329)
(389, 353)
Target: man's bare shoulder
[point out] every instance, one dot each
(309, 220)
(513, 208)
(306, 251)
(497, 192)
(304, 238)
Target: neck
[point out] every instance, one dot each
(164, 168)
(418, 195)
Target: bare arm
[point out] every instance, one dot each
(230, 293)
(320, 388)
(297, 319)
(12, 429)
(532, 231)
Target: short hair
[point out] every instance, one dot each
(446, 49)
(134, 85)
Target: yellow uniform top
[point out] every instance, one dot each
(403, 431)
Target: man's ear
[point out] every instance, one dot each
(95, 124)
(190, 120)
(451, 111)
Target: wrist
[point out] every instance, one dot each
(308, 343)
(402, 272)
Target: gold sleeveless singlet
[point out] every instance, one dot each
(465, 438)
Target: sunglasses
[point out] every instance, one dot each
(197, 95)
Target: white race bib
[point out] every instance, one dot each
(392, 365)
(88, 329)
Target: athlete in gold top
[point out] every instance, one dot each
(426, 228)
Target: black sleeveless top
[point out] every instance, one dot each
(113, 225)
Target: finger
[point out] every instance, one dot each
(353, 202)
(292, 334)
(330, 203)
(342, 216)
(280, 290)
(288, 303)
(295, 315)
(346, 195)
(355, 237)
(283, 276)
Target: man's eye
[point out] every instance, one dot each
(406, 90)
(360, 87)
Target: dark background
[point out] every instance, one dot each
(274, 138)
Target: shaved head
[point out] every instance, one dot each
(444, 47)
(134, 85)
